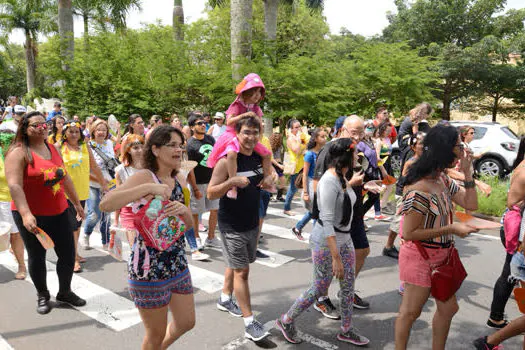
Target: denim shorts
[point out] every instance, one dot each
(517, 266)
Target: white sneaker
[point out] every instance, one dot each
(198, 256)
(213, 243)
(85, 242)
(200, 246)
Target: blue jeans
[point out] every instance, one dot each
(377, 207)
(291, 192)
(190, 238)
(94, 215)
(302, 223)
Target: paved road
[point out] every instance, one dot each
(111, 321)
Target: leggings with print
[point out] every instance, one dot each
(322, 261)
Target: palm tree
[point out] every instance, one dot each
(32, 17)
(240, 34)
(103, 12)
(271, 10)
(66, 32)
(178, 20)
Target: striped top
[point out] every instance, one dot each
(437, 209)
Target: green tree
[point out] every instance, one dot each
(66, 32)
(12, 65)
(447, 28)
(32, 17)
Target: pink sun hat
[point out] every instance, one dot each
(250, 81)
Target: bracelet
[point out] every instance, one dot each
(469, 184)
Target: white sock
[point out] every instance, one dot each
(322, 298)
(225, 297)
(248, 320)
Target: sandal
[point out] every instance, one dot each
(77, 268)
(21, 275)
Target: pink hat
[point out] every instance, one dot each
(250, 81)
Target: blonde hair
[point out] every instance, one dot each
(95, 125)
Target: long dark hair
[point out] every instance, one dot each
(521, 153)
(131, 120)
(21, 138)
(341, 155)
(313, 138)
(160, 136)
(438, 153)
(54, 129)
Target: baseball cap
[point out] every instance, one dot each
(219, 115)
(19, 109)
(338, 125)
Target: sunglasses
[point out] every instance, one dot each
(39, 125)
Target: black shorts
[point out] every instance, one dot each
(358, 234)
(72, 215)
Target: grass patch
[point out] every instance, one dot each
(495, 204)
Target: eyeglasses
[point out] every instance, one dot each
(200, 123)
(174, 145)
(248, 133)
(39, 125)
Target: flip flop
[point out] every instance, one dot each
(21, 275)
(77, 268)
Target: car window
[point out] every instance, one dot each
(509, 133)
(479, 132)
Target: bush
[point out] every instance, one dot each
(495, 204)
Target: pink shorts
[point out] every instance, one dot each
(413, 268)
(127, 218)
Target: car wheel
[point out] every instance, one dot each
(396, 162)
(490, 167)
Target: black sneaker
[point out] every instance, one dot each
(391, 252)
(261, 255)
(289, 332)
(360, 303)
(229, 306)
(327, 309)
(43, 306)
(255, 331)
(481, 344)
(495, 325)
(71, 299)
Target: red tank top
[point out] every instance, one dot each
(43, 185)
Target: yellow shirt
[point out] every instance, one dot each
(5, 195)
(77, 166)
(50, 139)
(299, 159)
(266, 143)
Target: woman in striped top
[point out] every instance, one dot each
(428, 207)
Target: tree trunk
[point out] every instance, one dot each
(271, 10)
(241, 35)
(495, 107)
(66, 32)
(85, 19)
(178, 20)
(445, 112)
(30, 62)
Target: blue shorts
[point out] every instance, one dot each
(265, 201)
(517, 266)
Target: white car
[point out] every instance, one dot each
(497, 143)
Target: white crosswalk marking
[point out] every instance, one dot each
(116, 312)
(4, 345)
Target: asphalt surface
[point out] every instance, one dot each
(112, 322)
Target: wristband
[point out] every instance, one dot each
(469, 184)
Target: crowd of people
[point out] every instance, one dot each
(61, 175)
